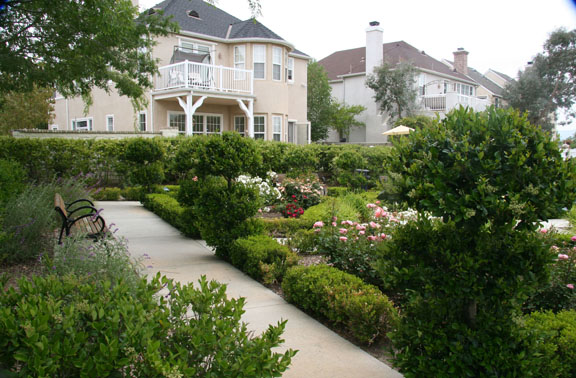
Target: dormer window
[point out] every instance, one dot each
(194, 14)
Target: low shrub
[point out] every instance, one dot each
(262, 258)
(283, 226)
(65, 326)
(341, 298)
(337, 191)
(553, 338)
(329, 209)
(12, 179)
(107, 194)
(133, 193)
(169, 209)
(302, 241)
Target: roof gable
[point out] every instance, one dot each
(353, 61)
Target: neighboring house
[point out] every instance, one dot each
(217, 74)
(440, 89)
(498, 77)
(487, 88)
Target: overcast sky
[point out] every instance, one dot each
(498, 34)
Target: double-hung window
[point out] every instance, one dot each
(276, 63)
(290, 70)
(277, 128)
(110, 122)
(239, 62)
(177, 120)
(259, 61)
(259, 127)
(142, 121)
(240, 125)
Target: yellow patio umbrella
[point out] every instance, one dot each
(399, 130)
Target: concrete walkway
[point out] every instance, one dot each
(322, 353)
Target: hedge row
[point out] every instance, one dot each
(106, 160)
(341, 298)
(168, 208)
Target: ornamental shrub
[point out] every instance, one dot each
(345, 166)
(331, 208)
(490, 177)
(343, 299)
(66, 326)
(280, 227)
(170, 210)
(143, 157)
(12, 179)
(262, 258)
(552, 337)
(107, 194)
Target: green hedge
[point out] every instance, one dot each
(553, 341)
(341, 298)
(64, 326)
(284, 226)
(262, 258)
(168, 208)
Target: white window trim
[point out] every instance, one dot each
(254, 61)
(260, 132)
(290, 68)
(245, 126)
(89, 122)
(277, 63)
(108, 117)
(205, 126)
(241, 65)
(197, 42)
(53, 127)
(169, 113)
(274, 132)
(145, 119)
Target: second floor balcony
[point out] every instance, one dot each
(443, 103)
(204, 78)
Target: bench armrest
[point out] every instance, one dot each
(93, 210)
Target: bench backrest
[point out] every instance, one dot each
(60, 206)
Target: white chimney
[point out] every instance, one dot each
(461, 61)
(374, 47)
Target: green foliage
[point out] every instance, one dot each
(460, 290)
(170, 210)
(26, 110)
(554, 337)
(107, 194)
(280, 227)
(228, 155)
(319, 100)
(299, 161)
(113, 46)
(303, 241)
(303, 191)
(56, 326)
(345, 166)
(548, 85)
(337, 191)
(478, 167)
(12, 179)
(332, 208)
(262, 258)
(341, 298)
(416, 122)
(557, 293)
(29, 220)
(343, 117)
(143, 157)
(394, 88)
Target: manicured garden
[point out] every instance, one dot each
(435, 253)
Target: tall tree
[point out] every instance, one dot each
(319, 101)
(74, 46)
(394, 89)
(549, 84)
(343, 118)
(25, 110)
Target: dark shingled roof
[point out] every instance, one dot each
(353, 61)
(485, 82)
(214, 22)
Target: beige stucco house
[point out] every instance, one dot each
(217, 74)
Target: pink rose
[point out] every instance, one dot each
(371, 206)
(570, 286)
(562, 256)
(195, 178)
(379, 212)
(349, 223)
(383, 236)
(343, 238)
(359, 227)
(343, 231)
(377, 202)
(573, 238)
(361, 232)
(374, 225)
(333, 224)
(318, 224)
(543, 231)
(371, 237)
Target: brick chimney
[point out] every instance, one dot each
(461, 61)
(374, 48)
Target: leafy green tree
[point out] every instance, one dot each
(394, 89)
(549, 84)
(415, 122)
(343, 117)
(74, 46)
(26, 110)
(319, 101)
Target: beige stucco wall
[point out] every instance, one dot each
(288, 100)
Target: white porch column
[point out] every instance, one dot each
(249, 111)
(190, 109)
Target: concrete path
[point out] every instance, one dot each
(322, 353)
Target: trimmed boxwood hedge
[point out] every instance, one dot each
(168, 208)
(262, 258)
(341, 298)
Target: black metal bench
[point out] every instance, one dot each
(84, 218)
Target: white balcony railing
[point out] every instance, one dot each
(446, 102)
(206, 77)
